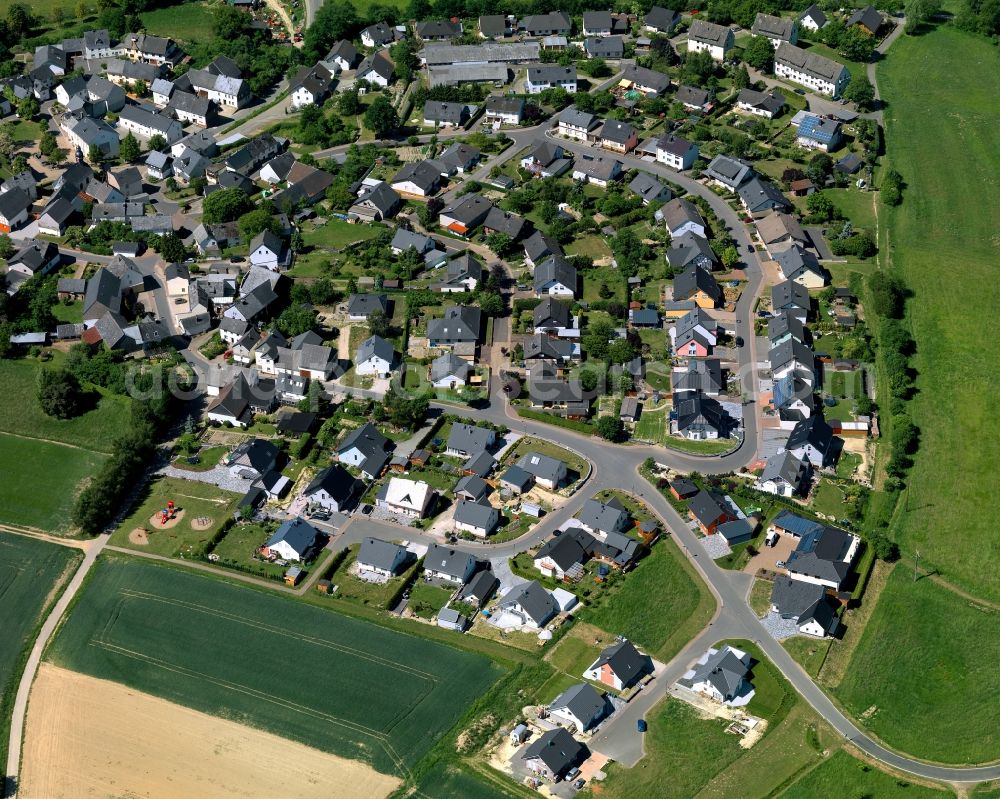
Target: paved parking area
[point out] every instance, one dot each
(716, 546)
(778, 627)
(769, 556)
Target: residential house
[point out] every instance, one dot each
(555, 277)
(437, 30)
(812, 440)
(650, 189)
(311, 86)
(378, 35)
(704, 36)
(660, 20)
(681, 216)
(495, 26)
(576, 124)
(538, 247)
(551, 76)
(543, 348)
(147, 124)
(675, 152)
(14, 207)
(479, 589)
(252, 459)
(375, 204)
(813, 18)
(601, 518)
(819, 133)
(342, 57)
(619, 666)
(293, 541)
(449, 564)
(784, 475)
(463, 274)
(693, 98)
(805, 603)
(780, 230)
(546, 471)
(553, 23)
(32, 257)
(361, 306)
(479, 519)
(270, 251)
(775, 29)
(417, 179)
(792, 357)
(412, 498)
(516, 480)
(150, 49)
(579, 707)
(784, 326)
(365, 448)
(700, 418)
(648, 81)
(551, 316)
(823, 556)
(377, 68)
(546, 159)
(689, 250)
(760, 197)
(84, 133)
(56, 217)
(441, 114)
(709, 510)
(801, 266)
(499, 221)
(564, 554)
(190, 108)
(721, 674)
(530, 603)
(727, 172)
(618, 136)
(465, 214)
(792, 298)
(506, 110)
(697, 284)
(808, 69)
(553, 754)
(612, 47)
(375, 356)
(762, 104)
(466, 440)
(449, 371)
(694, 335)
(700, 377)
(869, 19)
(382, 558)
(597, 169)
(159, 165)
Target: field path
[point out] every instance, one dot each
(31, 666)
(31, 532)
(51, 441)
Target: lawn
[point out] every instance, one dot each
(829, 500)
(708, 447)
(94, 430)
(427, 599)
(39, 481)
(923, 677)
(856, 205)
(652, 425)
(196, 500)
(592, 246)
(29, 570)
(809, 653)
(239, 546)
(843, 775)
(68, 313)
(327, 680)
(337, 233)
(187, 22)
(683, 605)
(760, 597)
(949, 205)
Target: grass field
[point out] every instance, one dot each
(948, 204)
(39, 481)
(809, 653)
(314, 676)
(842, 775)
(93, 430)
(29, 570)
(924, 663)
(196, 499)
(681, 607)
(187, 22)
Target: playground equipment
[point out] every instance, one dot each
(168, 512)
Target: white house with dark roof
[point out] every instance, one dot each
(675, 152)
(579, 125)
(722, 675)
(618, 666)
(716, 40)
(547, 471)
(293, 541)
(775, 29)
(580, 707)
(784, 475)
(375, 356)
(551, 76)
(555, 277)
(530, 604)
(806, 604)
(816, 72)
(813, 18)
(478, 518)
(450, 564)
(382, 558)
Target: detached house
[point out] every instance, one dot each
(612, 47)
(801, 266)
(440, 114)
(775, 29)
(681, 216)
(553, 754)
(660, 20)
(619, 666)
(675, 152)
(760, 197)
(823, 556)
(410, 498)
(365, 448)
(762, 104)
(648, 81)
(555, 277)
(728, 173)
(812, 440)
(697, 284)
(619, 137)
(716, 40)
(14, 207)
(551, 76)
(579, 125)
(784, 475)
(479, 519)
(721, 674)
(146, 124)
(805, 603)
(579, 707)
(375, 356)
(377, 69)
(294, 540)
(382, 557)
(530, 603)
(449, 564)
(507, 110)
(813, 18)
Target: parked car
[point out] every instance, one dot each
(641, 725)
(739, 341)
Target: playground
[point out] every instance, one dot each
(176, 517)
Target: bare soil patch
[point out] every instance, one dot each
(139, 536)
(156, 524)
(202, 522)
(93, 738)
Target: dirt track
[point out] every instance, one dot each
(97, 739)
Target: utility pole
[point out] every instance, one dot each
(916, 558)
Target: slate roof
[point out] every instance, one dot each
(540, 466)
(557, 749)
(696, 279)
(625, 661)
(536, 602)
(480, 588)
(808, 62)
(557, 269)
(773, 27)
(723, 670)
(821, 553)
(297, 533)
(378, 553)
(709, 33)
(648, 78)
(450, 365)
(336, 481)
(367, 439)
(468, 438)
(606, 517)
(475, 514)
(868, 16)
(760, 195)
(375, 346)
(812, 431)
(448, 560)
(551, 312)
(583, 702)
(366, 304)
(577, 118)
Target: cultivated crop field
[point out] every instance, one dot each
(38, 481)
(332, 682)
(30, 571)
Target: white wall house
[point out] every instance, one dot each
(716, 40)
(676, 153)
(820, 74)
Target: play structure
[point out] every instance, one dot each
(168, 513)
